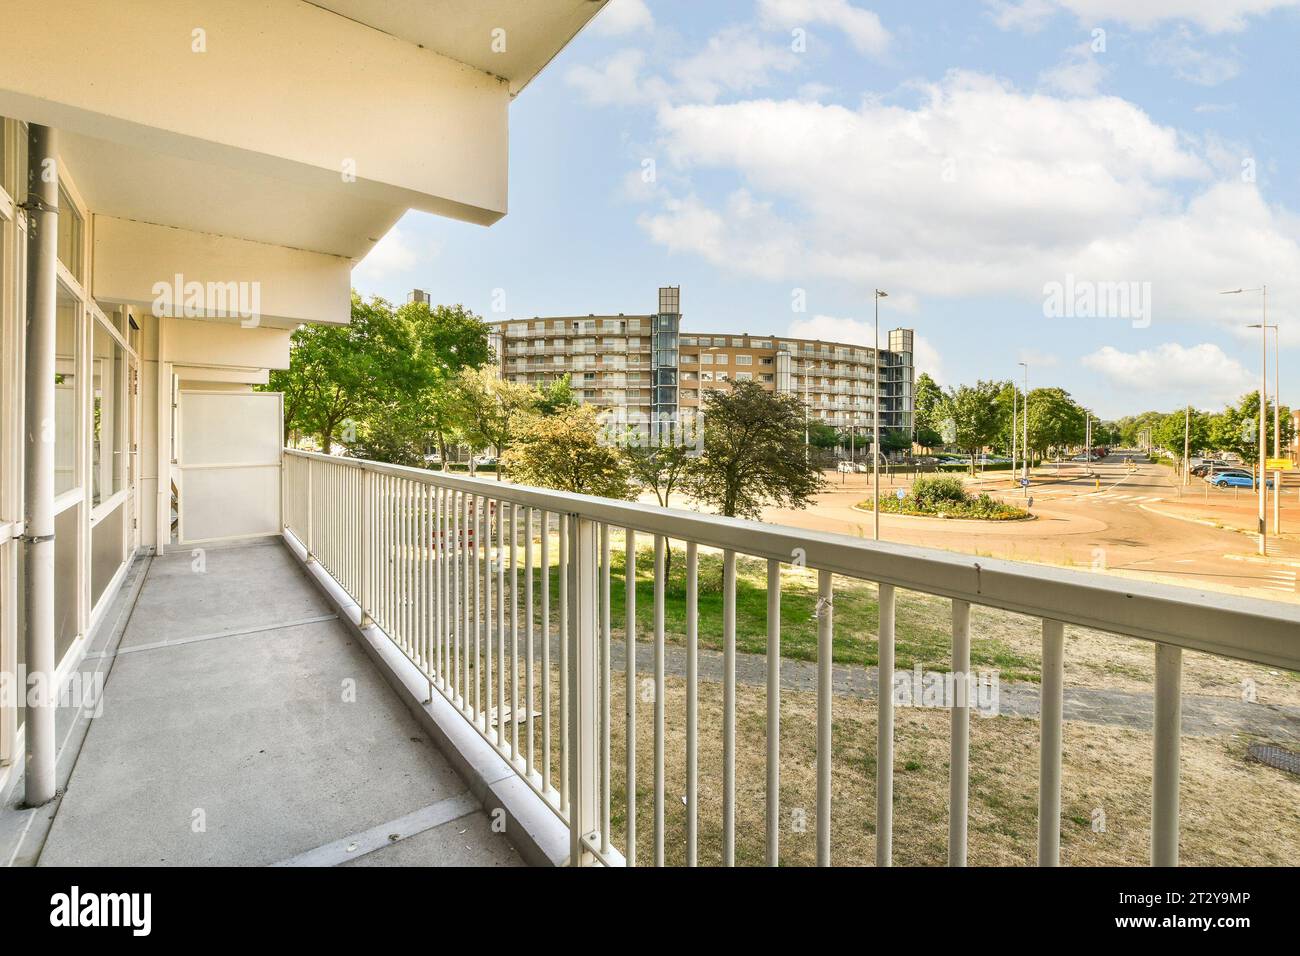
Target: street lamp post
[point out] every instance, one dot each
(1024, 445)
(875, 427)
(1277, 428)
(1263, 414)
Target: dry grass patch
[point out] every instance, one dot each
(1234, 811)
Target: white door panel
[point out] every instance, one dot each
(228, 457)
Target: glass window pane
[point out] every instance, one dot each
(65, 396)
(106, 552)
(108, 422)
(66, 526)
(70, 226)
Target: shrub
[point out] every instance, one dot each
(947, 497)
(932, 492)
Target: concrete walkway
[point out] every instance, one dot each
(242, 725)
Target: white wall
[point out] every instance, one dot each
(291, 286)
(281, 85)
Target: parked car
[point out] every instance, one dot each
(1226, 479)
(1216, 472)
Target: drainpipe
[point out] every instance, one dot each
(38, 472)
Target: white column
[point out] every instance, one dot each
(38, 477)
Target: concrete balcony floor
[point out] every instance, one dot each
(243, 725)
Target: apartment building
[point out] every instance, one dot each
(650, 368)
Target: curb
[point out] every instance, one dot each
(993, 521)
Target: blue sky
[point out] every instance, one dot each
(779, 159)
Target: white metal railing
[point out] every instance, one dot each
(444, 564)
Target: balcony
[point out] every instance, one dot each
(515, 608)
(424, 652)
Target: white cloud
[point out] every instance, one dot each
(926, 358)
(1079, 74)
(977, 190)
(619, 17)
(1213, 16)
(734, 60)
(862, 27)
(617, 79)
(1036, 359)
(398, 252)
(1204, 371)
(1192, 63)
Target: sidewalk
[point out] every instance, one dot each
(1234, 512)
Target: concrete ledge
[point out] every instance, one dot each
(532, 828)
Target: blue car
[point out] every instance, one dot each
(1236, 481)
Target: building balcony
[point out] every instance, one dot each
(421, 651)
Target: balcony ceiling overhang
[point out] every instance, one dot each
(312, 125)
(534, 30)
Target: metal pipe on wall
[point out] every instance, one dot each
(42, 208)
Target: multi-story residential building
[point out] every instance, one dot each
(652, 369)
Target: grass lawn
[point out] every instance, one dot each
(1002, 641)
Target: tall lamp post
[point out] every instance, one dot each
(875, 427)
(1277, 427)
(1015, 428)
(1263, 413)
(1024, 445)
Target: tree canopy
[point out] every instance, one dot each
(753, 453)
(972, 414)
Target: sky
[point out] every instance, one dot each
(1069, 184)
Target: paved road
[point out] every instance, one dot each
(1111, 521)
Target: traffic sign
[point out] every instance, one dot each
(1278, 464)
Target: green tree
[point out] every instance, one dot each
(553, 396)
(450, 340)
(564, 451)
(894, 440)
(823, 436)
(753, 453)
(492, 410)
(1236, 429)
(1132, 427)
(400, 423)
(661, 467)
(336, 371)
(972, 412)
(1173, 428)
(1055, 421)
(928, 400)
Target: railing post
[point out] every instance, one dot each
(959, 745)
(584, 757)
(311, 517)
(367, 545)
(885, 602)
(1049, 747)
(1168, 731)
